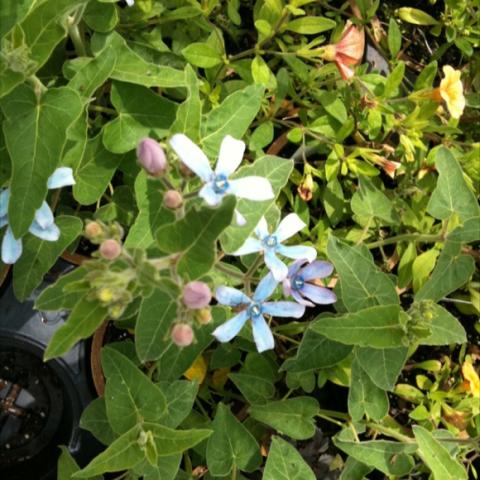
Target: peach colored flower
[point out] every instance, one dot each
(348, 51)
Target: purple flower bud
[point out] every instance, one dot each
(182, 335)
(196, 295)
(110, 249)
(172, 199)
(151, 157)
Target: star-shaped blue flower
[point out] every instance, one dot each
(217, 183)
(43, 225)
(255, 309)
(297, 284)
(271, 245)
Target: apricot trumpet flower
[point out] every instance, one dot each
(347, 52)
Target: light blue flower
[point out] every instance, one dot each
(254, 310)
(130, 2)
(298, 283)
(43, 225)
(217, 183)
(271, 245)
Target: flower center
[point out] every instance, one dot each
(270, 241)
(220, 184)
(255, 310)
(298, 282)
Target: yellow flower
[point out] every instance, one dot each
(471, 376)
(451, 90)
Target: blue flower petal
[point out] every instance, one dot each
(4, 196)
(262, 334)
(317, 269)
(265, 288)
(261, 230)
(320, 295)
(252, 188)
(251, 245)
(289, 226)
(11, 247)
(44, 216)
(240, 220)
(61, 177)
(208, 194)
(225, 332)
(284, 309)
(230, 156)
(275, 265)
(295, 267)
(3, 221)
(298, 298)
(231, 296)
(50, 233)
(192, 156)
(298, 252)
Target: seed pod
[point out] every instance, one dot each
(172, 199)
(182, 335)
(151, 157)
(196, 295)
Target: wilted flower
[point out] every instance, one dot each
(151, 157)
(305, 189)
(254, 310)
(388, 166)
(196, 295)
(182, 335)
(43, 225)
(348, 51)
(172, 199)
(110, 249)
(451, 91)
(299, 284)
(471, 376)
(271, 244)
(217, 183)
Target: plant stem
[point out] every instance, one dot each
(225, 270)
(99, 108)
(407, 237)
(389, 432)
(77, 40)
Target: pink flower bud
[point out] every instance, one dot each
(182, 335)
(151, 157)
(196, 295)
(110, 249)
(172, 199)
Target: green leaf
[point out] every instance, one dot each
(354, 470)
(156, 317)
(130, 396)
(436, 457)
(194, 236)
(377, 327)
(166, 468)
(445, 328)
(94, 419)
(422, 266)
(364, 397)
(394, 80)
(255, 389)
(53, 298)
(316, 351)
(66, 465)
(293, 417)
(40, 255)
(391, 458)
(140, 113)
(452, 194)
(202, 55)
(180, 395)
(93, 75)
(132, 68)
(232, 117)
(416, 16)
(35, 133)
(122, 454)
(285, 463)
(262, 74)
(94, 171)
(276, 170)
(368, 202)
(189, 113)
(84, 319)
(453, 268)
(152, 214)
(382, 365)
(231, 446)
(310, 25)
(394, 37)
(101, 17)
(361, 284)
(13, 12)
